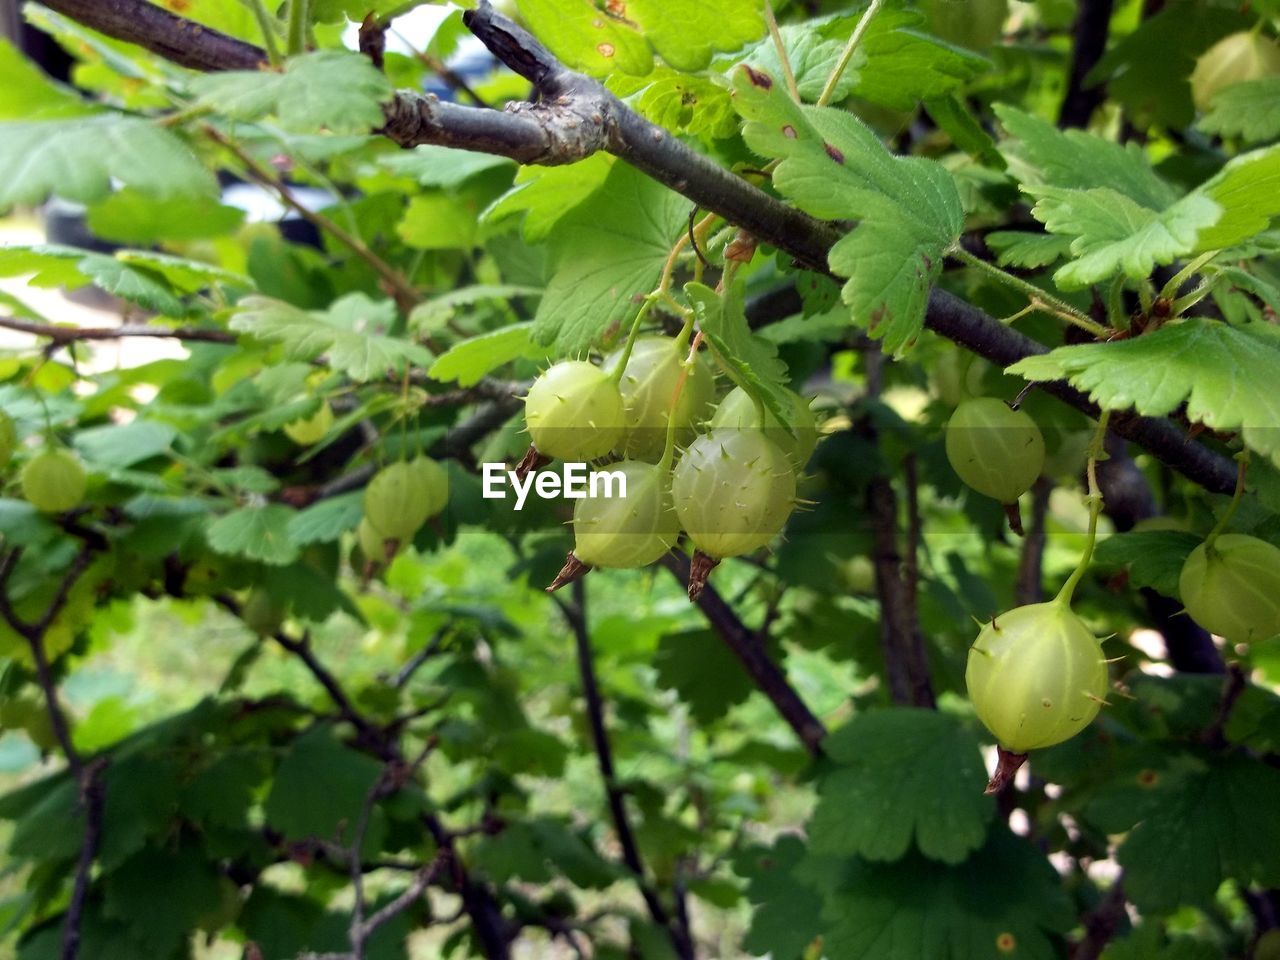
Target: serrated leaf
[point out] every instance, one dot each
(128, 216)
(350, 333)
(904, 777)
(319, 785)
(327, 520)
(1217, 825)
(338, 91)
(812, 55)
(834, 167)
(71, 268)
(443, 167)
(27, 93)
(122, 445)
(586, 38)
(687, 34)
(1250, 111)
(183, 880)
(608, 251)
(786, 915)
(471, 360)
(1154, 557)
(750, 361)
(436, 313)
(685, 660)
(1030, 251)
(680, 102)
(256, 533)
(540, 849)
(1225, 374)
(547, 194)
(181, 273)
(915, 908)
(80, 158)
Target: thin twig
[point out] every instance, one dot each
(63, 335)
(1029, 587)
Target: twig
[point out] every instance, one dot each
(64, 335)
(1102, 923)
(749, 648)
(1029, 587)
(788, 74)
(575, 613)
(1092, 25)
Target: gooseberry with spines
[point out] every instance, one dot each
(648, 386)
(574, 412)
(1036, 676)
(994, 449)
(733, 491)
(1230, 585)
(630, 531)
(740, 411)
(54, 480)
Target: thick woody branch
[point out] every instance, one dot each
(576, 116)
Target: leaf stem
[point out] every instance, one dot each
(788, 74)
(850, 49)
(267, 24)
(1097, 452)
(299, 18)
(1039, 298)
(1243, 459)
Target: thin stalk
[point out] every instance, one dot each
(616, 373)
(669, 451)
(1046, 301)
(299, 23)
(1170, 289)
(850, 49)
(1243, 459)
(267, 24)
(1097, 452)
(788, 74)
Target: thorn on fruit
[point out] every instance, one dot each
(573, 569)
(699, 569)
(1007, 765)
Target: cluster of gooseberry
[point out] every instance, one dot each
(398, 500)
(732, 488)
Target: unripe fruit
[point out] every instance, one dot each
(8, 439)
(1232, 587)
(739, 411)
(375, 547)
(311, 429)
(976, 24)
(400, 497)
(630, 531)
(648, 386)
(1268, 946)
(574, 412)
(1036, 676)
(733, 491)
(54, 480)
(433, 479)
(1239, 58)
(261, 613)
(995, 450)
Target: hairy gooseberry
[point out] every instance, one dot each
(54, 480)
(1231, 587)
(733, 491)
(994, 449)
(738, 410)
(400, 497)
(574, 411)
(1036, 676)
(648, 386)
(312, 429)
(1237, 58)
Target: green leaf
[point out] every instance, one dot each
(750, 361)
(327, 520)
(787, 911)
(1029, 251)
(680, 102)
(687, 34)
(545, 195)
(337, 91)
(436, 313)
(1249, 111)
(1225, 374)
(183, 880)
(587, 39)
(80, 158)
(26, 93)
(904, 777)
(1149, 942)
(1217, 825)
(812, 55)
(350, 333)
(834, 167)
(436, 220)
(1154, 557)
(129, 216)
(608, 251)
(442, 167)
(257, 533)
(319, 786)
(538, 850)
(471, 360)
(915, 908)
(115, 446)
(686, 660)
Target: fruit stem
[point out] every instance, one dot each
(299, 21)
(1039, 298)
(267, 25)
(788, 74)
(1242, 458)
(616, 373)
(846, 55)
(1097, 451)
(669, 451)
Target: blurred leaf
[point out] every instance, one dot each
(320, 788)
(1154, 557)
(257, 533)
